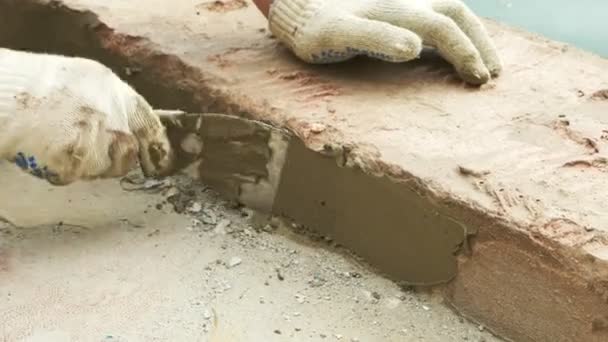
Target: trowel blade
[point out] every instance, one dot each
(238, 157)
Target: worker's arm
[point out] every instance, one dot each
(327, 31)
(65, 119)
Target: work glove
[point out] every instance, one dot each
(65, 119)
(328, 31)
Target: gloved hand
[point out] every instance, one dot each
(326, 31)
(65, 119)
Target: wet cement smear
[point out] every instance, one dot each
(384, 221)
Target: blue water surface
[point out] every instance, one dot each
(583, 23)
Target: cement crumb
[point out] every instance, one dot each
(468, 172)
(234, 261)
(195, 208)
(317, 128)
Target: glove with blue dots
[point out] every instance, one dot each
(328, 31)
(65, 119)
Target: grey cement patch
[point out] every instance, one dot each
(385, 221)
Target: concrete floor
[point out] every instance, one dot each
(110, 261)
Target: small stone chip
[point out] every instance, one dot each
(317, 128)
(195, 207)
(234, 261)
(300, 298)
(209, 217)
(220, 227)
(317, 281)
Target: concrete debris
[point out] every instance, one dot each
(209, 216)
(353, 274)
(222, 5)
(154, 184)
(200, 250)
(130, 71)
(135, 181)
(195, 224)
(222, 226)
(317, 128)
(300, 298)
(317, 281)
(233, 262)
(195, 207)
(393, 303)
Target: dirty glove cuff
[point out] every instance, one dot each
(65, 119)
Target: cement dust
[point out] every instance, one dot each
(104, 262)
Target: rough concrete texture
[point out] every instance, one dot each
(104, 262)
(520, 162)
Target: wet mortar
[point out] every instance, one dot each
(387, 222)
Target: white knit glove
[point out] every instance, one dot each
(65, 119)
(327, 31)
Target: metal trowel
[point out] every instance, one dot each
(240, 158)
